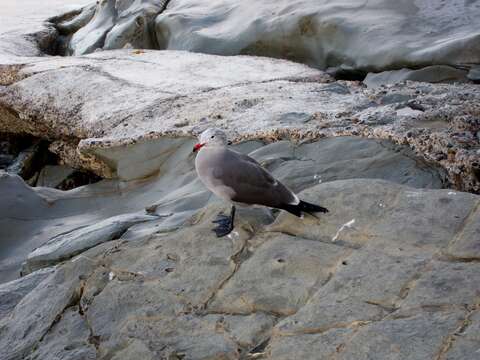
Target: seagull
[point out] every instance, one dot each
(238, 178)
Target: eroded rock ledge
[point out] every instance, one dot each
(92, 106)
(80, 103)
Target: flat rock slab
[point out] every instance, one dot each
(310, 287)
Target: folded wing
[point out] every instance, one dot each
(251, 183)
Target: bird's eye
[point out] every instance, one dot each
(211, 137)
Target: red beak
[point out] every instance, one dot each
(197, 147)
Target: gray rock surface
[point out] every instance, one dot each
(351, 35)
(69, 244)
(376, 35)
(439, 122)
(35, 314)
(68, 339)
(432, 74)
(391, 272)
(388, 260)
(12, 292)
(53, 175)
(384, 288)
(61, 224)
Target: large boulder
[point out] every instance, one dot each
(351, 35)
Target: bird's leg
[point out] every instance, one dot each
(225, 223)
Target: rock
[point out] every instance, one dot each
(359, 36)
(391, 272)
(254, 102)
(186, 293)
(54, 175)
(411, 336)
(356, 293)
(300, 167)
(33, 316)
(474, 74)
(302, 31)
(69, 244)
(465, 344)
(29, 161)
(444, 210)
(13, 292)
(279, 278)
(174, 193)
(433, 74)
(112, 25)
(443, 283)
(68, 339)
(467, 243)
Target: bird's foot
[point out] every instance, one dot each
(225, 225)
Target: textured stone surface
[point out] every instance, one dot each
(35, 314)
(391, 272)
(12, 292)
(376, 289)
(439, 122)
(78, 102)
(68, 339)
(433, 74)
(351, 35)
(173, 193)
(67, 245)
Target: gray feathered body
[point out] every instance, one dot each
(239, 178)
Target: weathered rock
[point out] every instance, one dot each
(474, 74)
(29, 161)
(433, 74)
(466, 244)
(53, 175)
(308, 346)
(391, 272)
(358, 37)
(13, 292)
(403, 217)
(439, 122)
(413, 336)
(69, 244)
(465, 342)
(175, 194)
(186, 293)
(68, 339)
(279, 278)
(35, 314)
(356, 293)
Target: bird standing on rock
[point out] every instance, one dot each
(238, 178)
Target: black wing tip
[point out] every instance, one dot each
(304, 206)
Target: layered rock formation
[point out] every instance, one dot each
(128, 267)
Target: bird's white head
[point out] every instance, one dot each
(211, 137)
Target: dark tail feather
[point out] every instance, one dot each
(303, 206)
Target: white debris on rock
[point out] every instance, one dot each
(343, 227)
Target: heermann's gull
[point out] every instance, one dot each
(236, 177)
